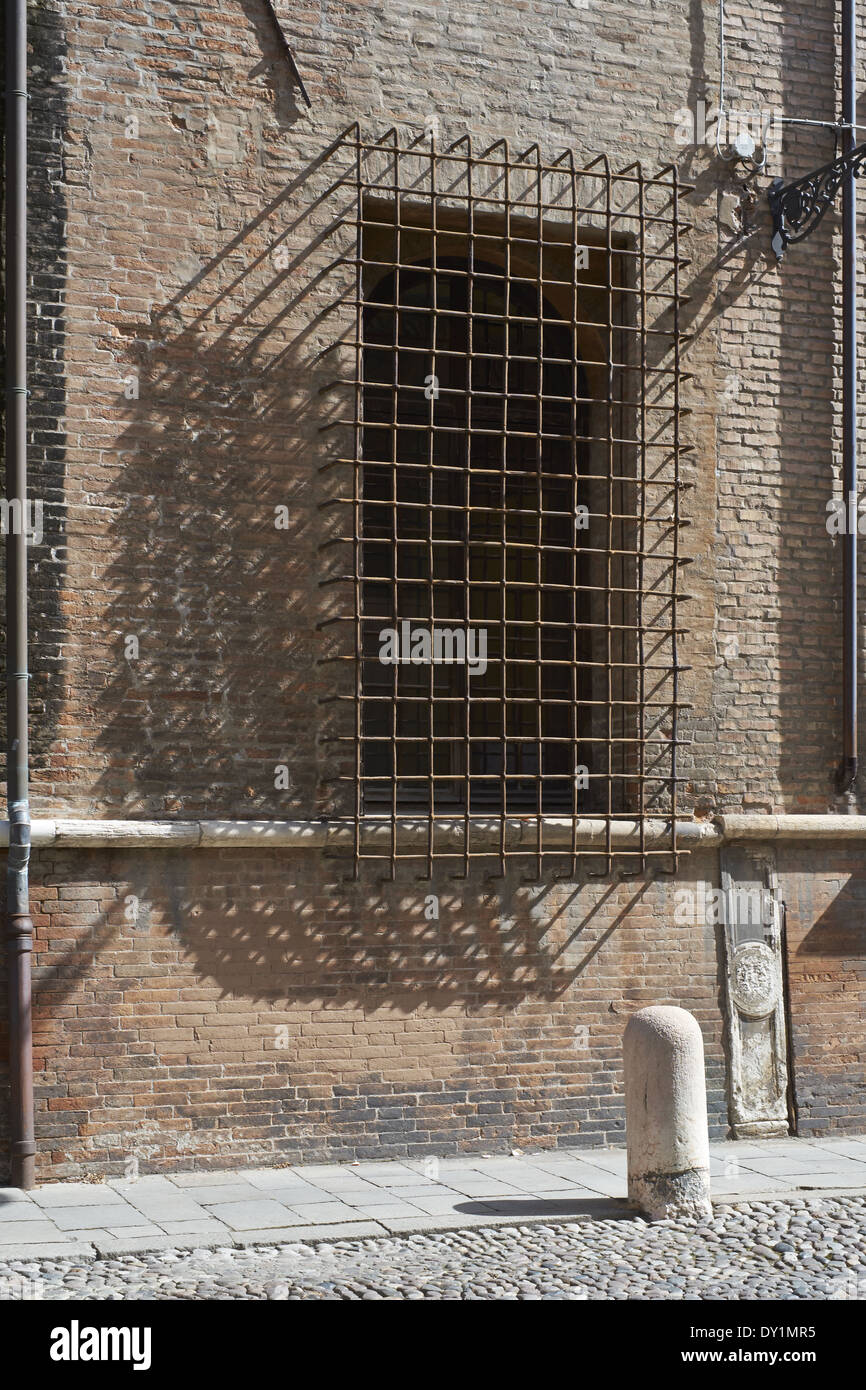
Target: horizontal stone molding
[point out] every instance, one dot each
(519, 833)
(803, 828)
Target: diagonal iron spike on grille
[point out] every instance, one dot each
(287, 50)
(508, 485)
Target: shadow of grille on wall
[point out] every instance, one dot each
(502, 481)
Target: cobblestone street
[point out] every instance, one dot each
(792, 1249)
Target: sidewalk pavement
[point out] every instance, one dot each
(335, 1201)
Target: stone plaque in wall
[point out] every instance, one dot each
(754, 994)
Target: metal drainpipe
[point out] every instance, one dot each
(19, 927)
(848, 768)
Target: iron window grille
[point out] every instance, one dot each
(510, 506)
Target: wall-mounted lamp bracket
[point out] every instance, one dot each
(798, 207)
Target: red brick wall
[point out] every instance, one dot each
(825, 897)
(246, 1015)
(171, 158)
(173, 166)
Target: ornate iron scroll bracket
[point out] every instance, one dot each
(798, 207)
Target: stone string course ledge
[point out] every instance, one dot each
(313, 834)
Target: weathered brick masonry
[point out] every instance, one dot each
(200, 1011)
(824, 895)
(214, 1008)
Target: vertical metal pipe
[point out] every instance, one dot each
(19, 927)
(848, 767)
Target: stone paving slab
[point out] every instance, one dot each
(539, 1208)
(436, 1205)
(542, 1182)
(321, 1213)
(810, 1161)
(480, 1187)
(408, 1194)
(389, 1211)
(605, 1184)
(277, 1177)
(610, 1162)
(48, 1250)
(337, 1190)
(147, 1228)
(223, 1193)
(107, 1245)
(217, 1179)
(384, 1170)
(308, 1196)
(357, 1230)
(63, 1194)
(261, 1205)
(204, 1227)
(30, 1233)
(161, 1209)
(91, 1217)
(151, 1185)
(752, 1185)
(853, 1146)
(254, 1216)
(420, 1225)
(391, 1180)
(312, 1172)
(376, 1197)
(810, 1182)
(21, 1211)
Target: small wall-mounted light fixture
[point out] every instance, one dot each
(744, 145)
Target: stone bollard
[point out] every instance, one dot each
(666, 1114)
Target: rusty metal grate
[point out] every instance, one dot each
(509, 506)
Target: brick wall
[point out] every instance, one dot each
(177, 379)
(189, 168)
(249, 1007)
(825, 897)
